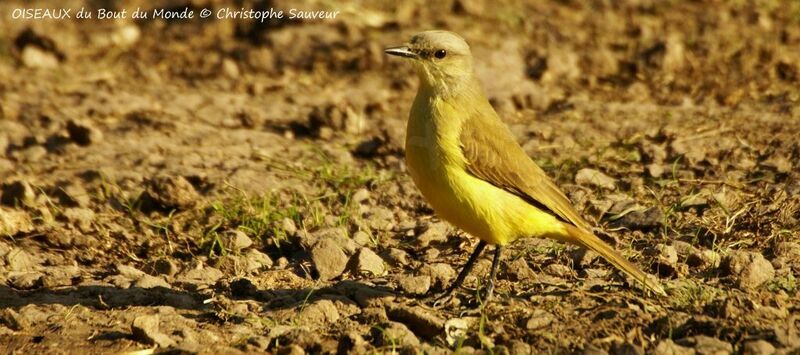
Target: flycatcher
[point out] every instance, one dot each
(473, 173)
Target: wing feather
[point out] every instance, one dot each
(493, 155)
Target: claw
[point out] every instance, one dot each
(441, 300)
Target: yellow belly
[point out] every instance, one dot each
(491, 214)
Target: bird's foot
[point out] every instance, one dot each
(483, 296)
(442, 299)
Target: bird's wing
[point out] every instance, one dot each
(493, 155)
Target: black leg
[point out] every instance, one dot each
(493, 274)
(464, 272)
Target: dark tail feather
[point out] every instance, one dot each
(590, 241)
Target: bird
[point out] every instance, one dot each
(473, 173)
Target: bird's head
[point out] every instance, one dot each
(442, 59)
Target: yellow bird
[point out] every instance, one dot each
(470, 169)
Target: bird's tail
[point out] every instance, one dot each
(588, 240)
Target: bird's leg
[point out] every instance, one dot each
(463, 274)
(493, 274)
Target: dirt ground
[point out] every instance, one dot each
(217, 186)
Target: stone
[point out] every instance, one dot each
(397, 257)
(595, 178)
(367, 263)
(57, 276)
(592, 273)
(172, 192)
(73, 195)
(125, 35)
(13, 320)
(558, 270)
(696, 200)
(83, 132)
(257, 261)
(260, 342)
(373, 315)
(187, 341)
(414, 285)
(337, 235)
(129, 272)
(145, 330)
(16, 193)
(148, 281)
(705, 345)
(81, 218)
(25, 280)
(318, 313)
(35, 57)
(778, 163)
(360, 195)
(200, 277)
(675, 57)
(237, 240)
(230, 68)
(362, 238)
(329, 259)
(668, 347)
(683, 249)
(666, 260)
(369, 297)
(455, 330)
(591, 349)
(118, 281)
(790, 250)
(655, 170)
(301, 337)
(290, 350)
(394, 334)
(646, 219)
(519, 347)
(431, 255)
(758, 347)
(380, 218)
(582, 258)
(539, 319)
(626, 348)
(162, 266)
(693, 152)
(470, 7)
(434, 233)
(13, 222)
(440, 273)
(704, 259)
(518, 270)
(666, 254)
(18, 260)
(467, 350)
(351, 342)
(32, 154)
(424, 323)
(749, 269)
(332, 221)
(288, 226)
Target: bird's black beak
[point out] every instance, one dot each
(402, 51)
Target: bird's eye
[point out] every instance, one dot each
(440, 54)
